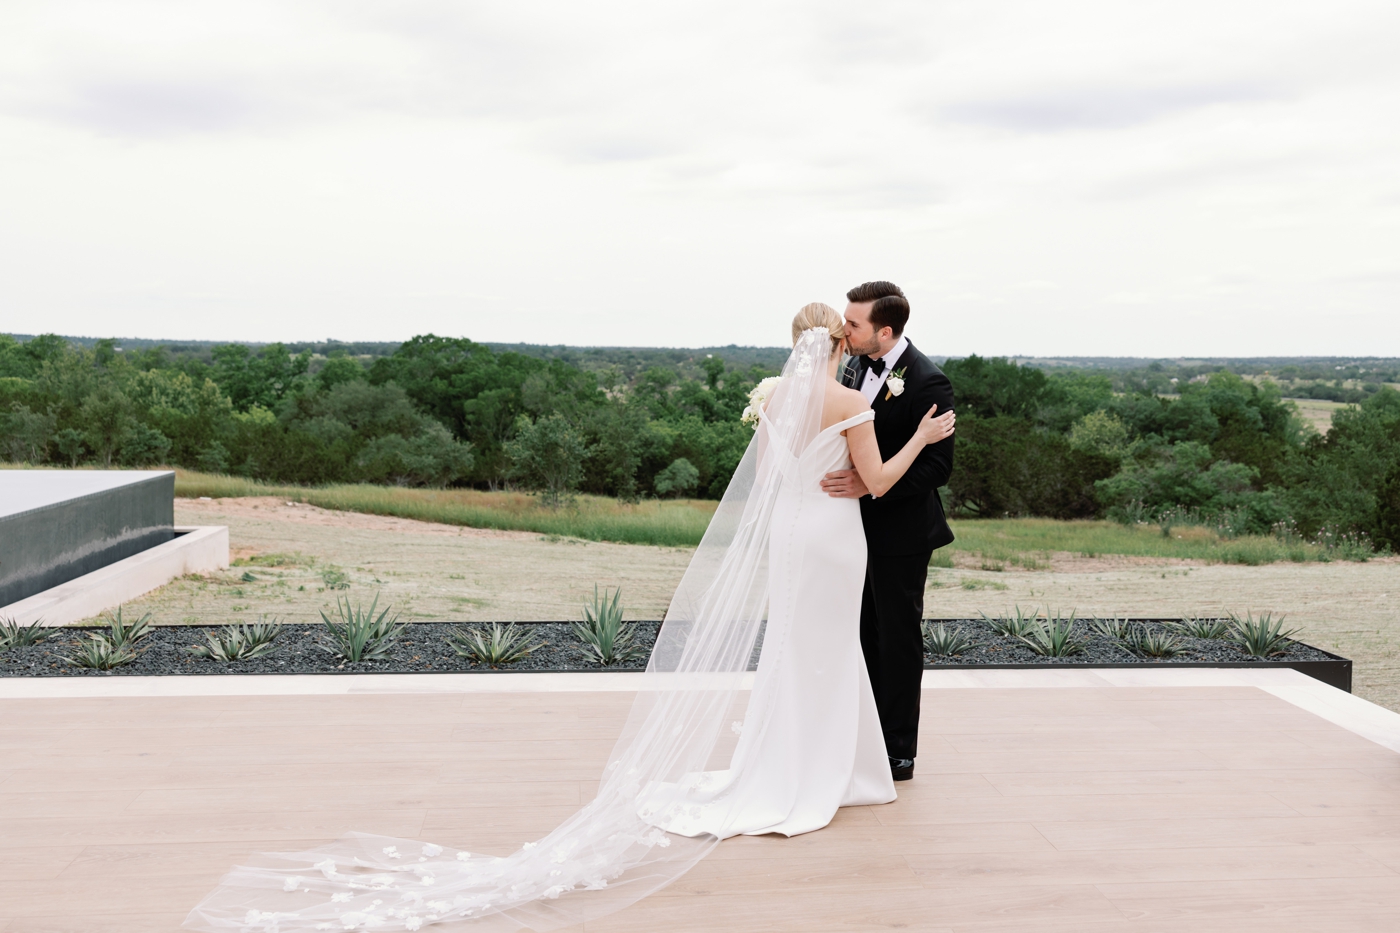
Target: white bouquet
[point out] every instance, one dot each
(757, 397)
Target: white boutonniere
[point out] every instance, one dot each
(894, 384)
(757, 397)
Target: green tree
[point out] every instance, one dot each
(263, 378)
(677, 479)
(1100, 432)
(1006, 466)
(433, 457)
(106, 417)
(548, 455)
(25, 435)
(1350, 479)
(339, 369)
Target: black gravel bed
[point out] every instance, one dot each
(423, 649)
(308, 649)
(992, 648)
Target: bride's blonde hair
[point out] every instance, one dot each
(817, 314)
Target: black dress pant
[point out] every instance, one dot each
(893, 643)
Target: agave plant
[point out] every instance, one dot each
(1152, 643)
(100, 653)
(1194, 627)
(1263, 637)
(1018, 626)
(120, 633)
(14, 635)
(1055, 637)
(360, 635)
(242, 642)
(1116, 629)
(494, 646)
(943, 642)
(605, 638)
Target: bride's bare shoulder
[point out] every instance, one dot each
(845, 402)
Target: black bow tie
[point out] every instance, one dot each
(878, 366)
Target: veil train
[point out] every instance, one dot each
(606, 856)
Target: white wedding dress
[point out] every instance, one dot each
(677, 781)
(811, 739)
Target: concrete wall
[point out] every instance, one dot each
(192, 550)
(57, 525)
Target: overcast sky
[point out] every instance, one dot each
(1041, 176)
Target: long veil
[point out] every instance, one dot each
(609, 854)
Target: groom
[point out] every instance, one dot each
(905, 525)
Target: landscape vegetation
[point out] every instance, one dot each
(1205, 459)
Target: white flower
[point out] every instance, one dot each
(428, 879)
(429, 849)
(757, 396)
(463, 856)
(340, 897)
(393, 852)
(412, 923)
(529, 845)
(291, 884)
(736, 727)
(895, 385)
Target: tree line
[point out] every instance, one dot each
(1214, 447)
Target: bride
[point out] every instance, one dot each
(709, 750)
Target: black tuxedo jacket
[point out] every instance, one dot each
(909, 518)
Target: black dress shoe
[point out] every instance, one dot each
(902, 769)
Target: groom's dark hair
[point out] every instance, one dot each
(889, 307)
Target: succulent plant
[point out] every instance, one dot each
(360, 635)
(1055, 637)
(493, 646)
(605, 638)
(944, 642)
(242, 642)
(1263, 637)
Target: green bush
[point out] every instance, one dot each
(1006, 466)
(547, 455)
(679, 478)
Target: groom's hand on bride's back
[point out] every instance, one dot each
(844, 484)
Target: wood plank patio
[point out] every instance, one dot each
(1086, 809)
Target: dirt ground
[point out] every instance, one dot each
(296, 556)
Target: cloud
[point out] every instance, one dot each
(156, 108)
(1096, 108)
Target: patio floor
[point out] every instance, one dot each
(1094, 803)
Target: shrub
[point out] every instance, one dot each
(548, 455)
(677, 479)
(1006, 466)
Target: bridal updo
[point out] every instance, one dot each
(817, 314)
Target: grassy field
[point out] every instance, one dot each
(1029, 542)
(1020, 542)
(678, 522)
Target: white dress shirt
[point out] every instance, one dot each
(875, 381)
